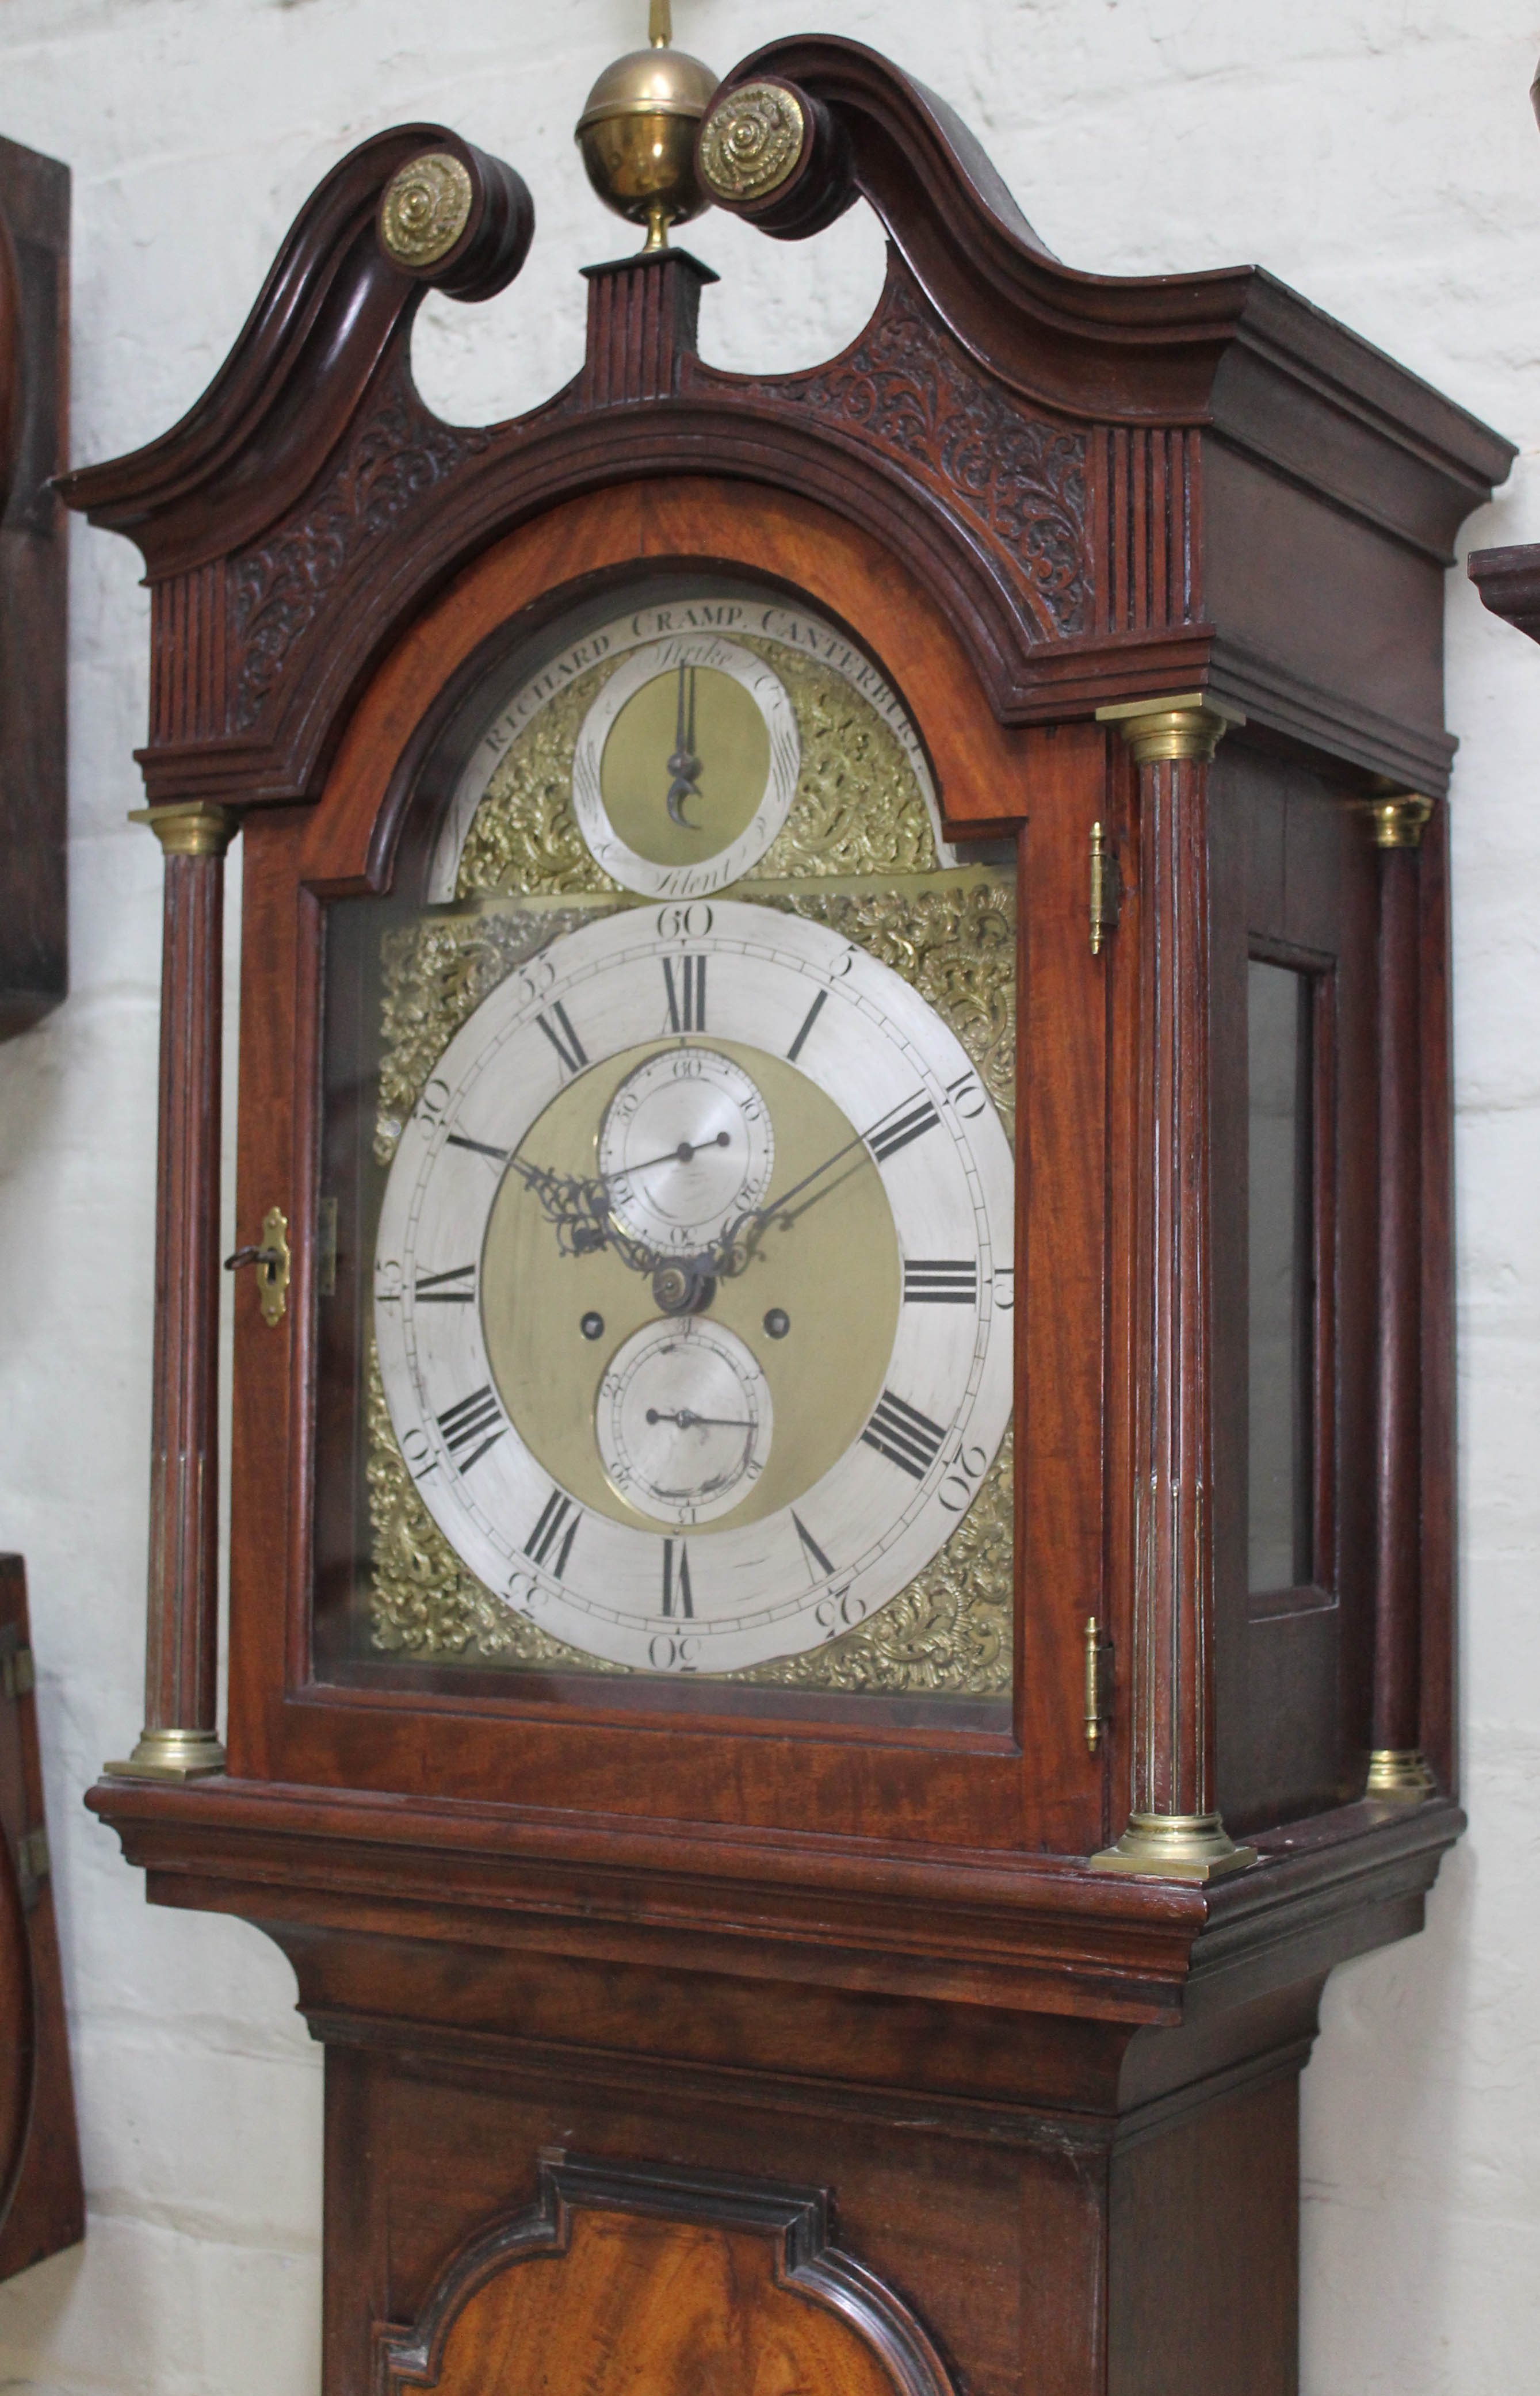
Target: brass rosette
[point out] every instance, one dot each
(751, 142)
(425, 209)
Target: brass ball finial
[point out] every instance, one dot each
(637, 133)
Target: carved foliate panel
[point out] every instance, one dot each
(908, 390)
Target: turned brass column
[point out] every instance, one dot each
(178, 1741)
(1173, 1831)
(1396, 1765)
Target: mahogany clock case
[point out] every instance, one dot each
(852, 1936)
(948, 492)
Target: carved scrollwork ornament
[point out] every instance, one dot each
(425, 209)
(751, 141)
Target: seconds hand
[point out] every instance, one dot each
(688, 1419)
(679, 1155)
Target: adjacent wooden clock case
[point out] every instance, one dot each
(751, 2031)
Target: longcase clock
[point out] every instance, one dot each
(841, 1528)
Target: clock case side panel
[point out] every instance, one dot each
(1295, 887)
(35, 394)
(285, 1725)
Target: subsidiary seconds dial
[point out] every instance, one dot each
(693, 1286)
(686, 1147)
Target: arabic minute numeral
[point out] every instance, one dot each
(941, 1281)
(667, 1653)
(677, 1601)
(909, 1120)
(550, 1543)
(692, 922)
(841, 1610)
(537, 978)
(456, 1287)
(466, 1420)
(557, 1026)
(417, 1449)
(968, 1468)
(967, 1098)
(685, 981)
(904, 1435)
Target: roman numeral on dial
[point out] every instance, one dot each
(941, 1281)
(677, 1601)
(909, 1120)
(476, 1147)
(550, 1543)
(685, 980)
(904, 1435)
(808, 1021)
(466, 1420)
(818, 1563)
(557, 1026)
(456, 1287)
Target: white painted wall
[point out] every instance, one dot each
(1379, 154)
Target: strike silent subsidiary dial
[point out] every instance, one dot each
(683, 1422)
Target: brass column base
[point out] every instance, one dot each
(1399, 1773)
(1174, 1847)
(171, 1755)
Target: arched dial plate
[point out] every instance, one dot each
(861, 1312)
(685, 763)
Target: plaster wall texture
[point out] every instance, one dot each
(1379, 155)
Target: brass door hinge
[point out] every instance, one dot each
(1098, 1682)
(272, 1260)
(31, 1865)
(17, 1676)
(1106, 888)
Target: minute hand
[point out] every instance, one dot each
(747, 1224)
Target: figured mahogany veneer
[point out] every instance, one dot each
(1044, 2119)
(665, 2279)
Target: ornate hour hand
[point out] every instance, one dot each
(579, 1204)
(578, 1207)
(684, 764)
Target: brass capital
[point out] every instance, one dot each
(195, 829)
(171, 1755)
(1174, 1847)
(1190, 725)
(1399, 820)
(1401, 1774)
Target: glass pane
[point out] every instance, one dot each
(624, 1308)
(1281, 1249)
